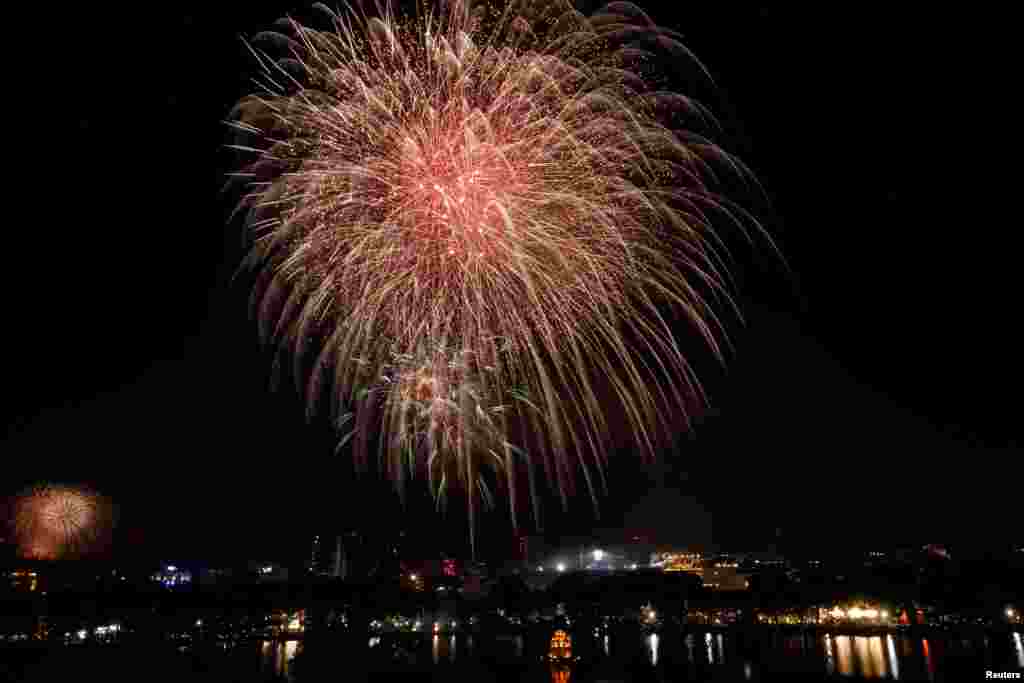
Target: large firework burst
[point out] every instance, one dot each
(54, 521)
(461, 220)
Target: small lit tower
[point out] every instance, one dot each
(339, 560)
(314, 556)
(523, 549)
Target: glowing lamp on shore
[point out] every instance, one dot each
(561, 566)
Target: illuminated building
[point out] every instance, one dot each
(288, 621)
(523, 548)
(722, 574)
(24, 580)
(314, 564)
(858, 613)
(600, 559)
(413, 581)
(269, 572)
(340, 555)
(173, 576)
(679, 562)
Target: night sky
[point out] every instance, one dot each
(872, 395)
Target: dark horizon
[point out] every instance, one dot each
(869, 396)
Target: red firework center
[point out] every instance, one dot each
(452, 193)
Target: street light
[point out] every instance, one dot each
(561, 566)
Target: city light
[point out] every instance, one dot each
(598, 555)
(540, 568)
(561, 566)
(413, 577)
(1010, 612)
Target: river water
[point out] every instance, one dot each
(694, 656)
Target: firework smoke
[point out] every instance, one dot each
(56, 521)
(460, 220)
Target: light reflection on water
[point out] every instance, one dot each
(857, 657)
(894, 663)
(864, 656)
(560, 674)
(653, 641)
(928, 660)
(276, 657)
(443, 648)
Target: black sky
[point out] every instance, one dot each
(872, 395)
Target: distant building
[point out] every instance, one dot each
(523, 548)
(211, 576)
(24, 580)
(722, 574)
(313, 564)
(678, 561)
(326, 556)
(603, 559)
(267, 572)
(172, 576)
(340, 555)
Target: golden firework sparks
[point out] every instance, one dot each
(468, 216)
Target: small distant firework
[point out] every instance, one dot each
(56, 521)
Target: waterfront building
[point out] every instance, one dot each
(172, 576)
